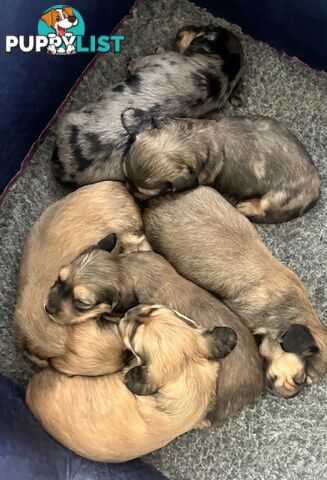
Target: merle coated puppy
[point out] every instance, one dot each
(91, 142)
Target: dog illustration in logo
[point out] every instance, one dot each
(60, 20)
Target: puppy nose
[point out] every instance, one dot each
(50, 309)
(72, 19)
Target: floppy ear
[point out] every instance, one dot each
(185, 182)
(69, 11)
(137, 381)
(221, 341)
(47, 18)
(299, 340)
(136, 121)
(108, 243)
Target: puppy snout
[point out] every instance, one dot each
(284, 388)
(50, 308)
(72, 19)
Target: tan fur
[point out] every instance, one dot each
(184, 38)
(145, 277)
(211, 243)
(63, 231)
(101, 419)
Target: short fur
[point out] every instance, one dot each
(145, 277)
(212, 244)
(102, 419)
(253, 158)
(64, 230)
(92, 142)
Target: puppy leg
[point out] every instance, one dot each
(237, 96)
(279, 206)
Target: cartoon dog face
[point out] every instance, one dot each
(60, 19)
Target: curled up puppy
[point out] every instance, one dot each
(92, 142)
(146, 277)
(212, 244)
(67, 227)
(167, 393)
(252, 158)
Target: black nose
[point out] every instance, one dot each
(72, 19)
(51, 309)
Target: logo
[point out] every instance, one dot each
(61, 31)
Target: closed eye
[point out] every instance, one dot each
(82, 306)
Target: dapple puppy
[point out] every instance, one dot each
(92, 142)
(211, 243)
(145, 277)
(115, 418)
(254, 159)
(65, 229)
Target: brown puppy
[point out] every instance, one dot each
(145, 277)
(212, 244)
(252, 158)
(64, 230)
(106, 419)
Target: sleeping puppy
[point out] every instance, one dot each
(212, 244)
(116, 418)
(66, 228)
(145, 277)
(254, 159)
(91, 142)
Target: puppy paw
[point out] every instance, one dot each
(236, 100)
(251, 208)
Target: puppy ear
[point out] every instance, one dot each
(185, 182)
(108, 243)
(68, 10)
(137, 381)
(221, 341)
(136, 121)
(47, 18)
(299, 340)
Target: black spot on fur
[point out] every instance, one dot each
(57, 163)
(95, 143)
(172, 62)
(80, 159)
(120, 87)
(134, 83)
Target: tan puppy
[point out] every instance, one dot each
(212, 244)
(145, 277)
(64, 230)
(102, 419)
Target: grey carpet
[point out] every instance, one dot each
(274, 439)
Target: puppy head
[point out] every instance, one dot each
(64, 17)
(161, 158)
(209, 40)
(297, 360)
(88, 287)
(165, 343)
(184, 37)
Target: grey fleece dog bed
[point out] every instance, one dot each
(275, 438)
